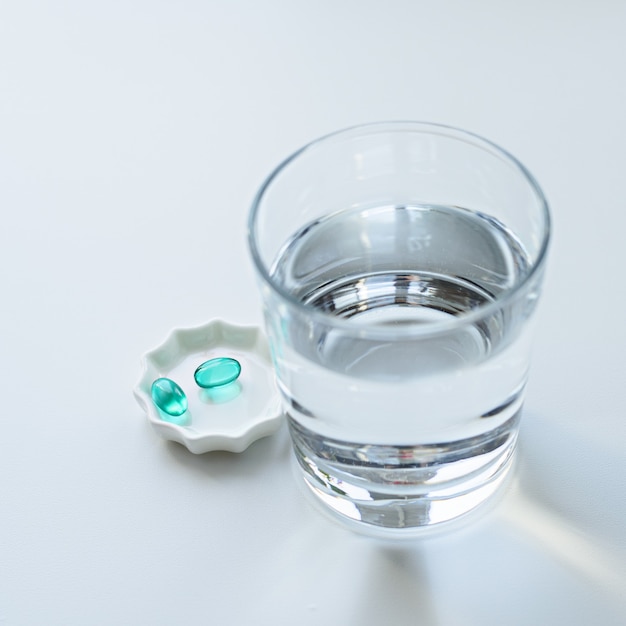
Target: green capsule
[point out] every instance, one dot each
(217, 372)
(169, 397)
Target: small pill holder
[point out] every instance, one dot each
(228, 417)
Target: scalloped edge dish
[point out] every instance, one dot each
(255, 416)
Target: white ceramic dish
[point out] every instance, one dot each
(225, 418)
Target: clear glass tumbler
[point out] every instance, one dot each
(400, 266)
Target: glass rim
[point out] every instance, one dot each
(408, 330)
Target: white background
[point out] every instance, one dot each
(133, 136)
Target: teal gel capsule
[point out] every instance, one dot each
(169, 397)
(217, 372)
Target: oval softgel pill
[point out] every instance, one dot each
(217, 372)
(169, 397)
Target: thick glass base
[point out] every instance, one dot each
(402, 491)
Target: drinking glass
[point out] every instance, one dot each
(400, 266)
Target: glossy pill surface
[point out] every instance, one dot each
(217, 372)
(169, 397)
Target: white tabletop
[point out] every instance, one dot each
(133, 136)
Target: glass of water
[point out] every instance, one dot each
(400, 266)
